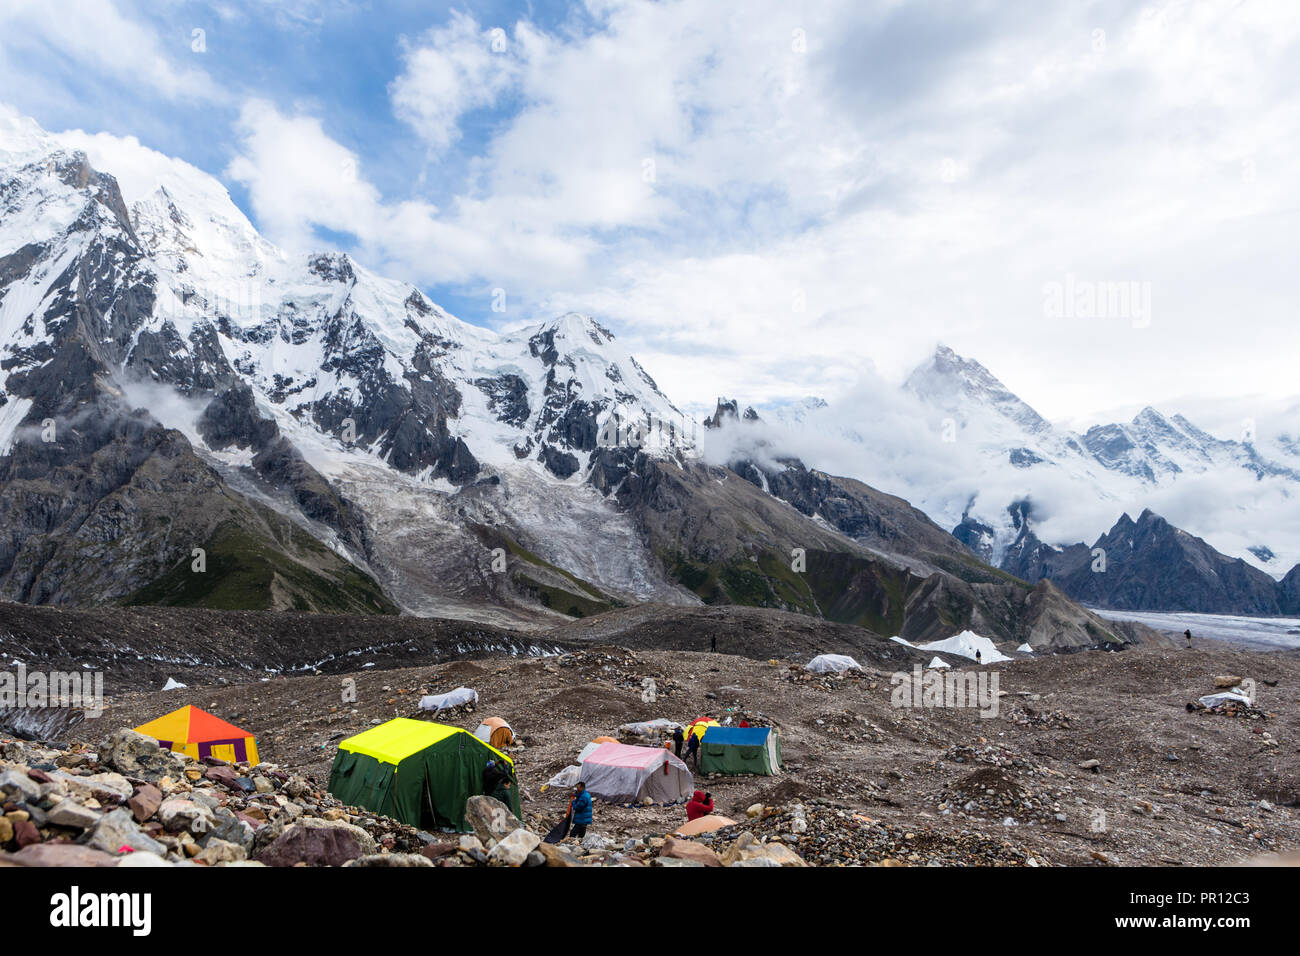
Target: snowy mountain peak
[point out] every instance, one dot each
(965, 388)
(197, 300)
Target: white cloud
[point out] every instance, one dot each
(453, 69)
(98, 35)
(299, 178)
(911, 175)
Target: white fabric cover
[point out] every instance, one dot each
(588, 750)
(623, 774)
(1214, 700)
(567, 777)
(938, 662)
(648, 728)
(832, 664)
(437, 702)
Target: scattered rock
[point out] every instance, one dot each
(674, 848)
(513, 849)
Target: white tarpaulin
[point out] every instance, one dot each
(1214, 700)
(939, 662)
(648, 728)
(437, 702)
(567, 777)
(1025, 649)
(588, 750)
(832, 664)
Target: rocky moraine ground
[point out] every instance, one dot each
(1093, 760)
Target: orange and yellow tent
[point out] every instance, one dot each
(699, 725)
(199, 734)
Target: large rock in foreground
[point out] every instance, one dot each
(316, 842)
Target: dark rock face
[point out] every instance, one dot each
(231, 419)
(559, 463)
(1288, 592)
(576, 427)
(1148, 565)
(1024, 458)
(976, 536)
(507, 397)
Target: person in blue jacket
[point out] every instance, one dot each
(580, 811)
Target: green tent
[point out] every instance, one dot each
(733, 750)
(417, 772)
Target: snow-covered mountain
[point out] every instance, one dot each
(189, 415)
(300, 376)
(1212, 486)
(979, 460)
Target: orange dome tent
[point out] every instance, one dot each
(604, 740)
(495, 732)
(199, 734)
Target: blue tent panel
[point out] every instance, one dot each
(738, 736)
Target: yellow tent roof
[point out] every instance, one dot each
(401, 737)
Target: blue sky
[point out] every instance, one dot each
(766, 199)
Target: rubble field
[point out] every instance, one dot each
(1093, 759)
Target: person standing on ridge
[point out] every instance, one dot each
(1188, 634)
(713, 644)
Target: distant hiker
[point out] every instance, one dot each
(693, 749)
(580, 811)
(713, 643)
(1188, 634)
(978, 658)
(701, 805)
(678, 740)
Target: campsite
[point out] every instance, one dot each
(1080, 739)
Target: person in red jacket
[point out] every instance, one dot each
(701, 805)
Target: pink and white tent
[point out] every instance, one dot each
(624, 774)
